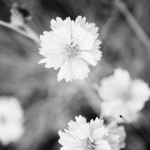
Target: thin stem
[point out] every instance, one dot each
(29, 33)
(108, 24)
(133, 24)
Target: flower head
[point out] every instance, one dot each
(71, 46)
(82, 135)
(11, 120)
(123, 96)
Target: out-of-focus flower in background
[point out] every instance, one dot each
(87, 136)
(11, 120)
(71, 46)
(19, 15)
(119, 130)
(123, 96)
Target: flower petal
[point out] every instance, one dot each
(102, 145)
(88, 57)
(113, 87)
(67, 139)
(79, 121)
(95, 124)
(99, 133)
(82, 132)
(76, 69)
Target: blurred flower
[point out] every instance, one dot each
(113, 127)
(81, 135)
(71, 46)
(11, 120)
(123, 96)
(19, 15)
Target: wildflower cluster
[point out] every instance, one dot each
(70, 47)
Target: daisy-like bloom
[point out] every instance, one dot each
(11, 120)
(123, 96)
(71, 46)
(113, 127)
(82, 135)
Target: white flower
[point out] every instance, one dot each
(71, 46)
(123, 96)
(11, 120)
(119, 130)
(81, 135)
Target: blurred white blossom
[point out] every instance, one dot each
(11, 120)
(82, 135)
(71, 46)
(123, 96)
(19, 15)
(119, 130)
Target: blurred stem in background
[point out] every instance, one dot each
(108, 24)
(29, 33)
(143, 38)
(133, 24)
(19, 19)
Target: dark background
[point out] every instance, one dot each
(49, 104)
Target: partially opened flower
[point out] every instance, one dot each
(71, 46)
(113, 127)
(123, 96)
(82, 135)
(11, 120)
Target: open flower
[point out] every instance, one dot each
(81, 135)
(71, 46)
(123, 96)
(11, 120)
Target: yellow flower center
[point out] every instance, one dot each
(87, 144)
(72, 49)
